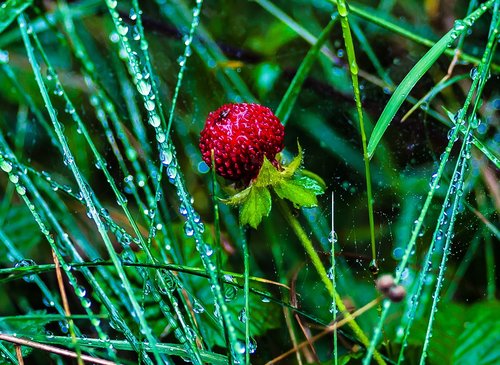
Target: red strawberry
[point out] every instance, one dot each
(240, 136)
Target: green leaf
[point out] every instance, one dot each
(297, 193)
(268, 175)
(256, 206)
(415, 74)
(238, 198)
(290, 169)
(462, 334)
(10, 10)
(478, 341)
(312, 181)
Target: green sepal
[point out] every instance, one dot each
(297, 193)
(288, 182)
(290, 169)
(256, 206)
(268, 175)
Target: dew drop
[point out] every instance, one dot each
(242, 316)
(160, 137)
(188, 229)
(26, 263)
(143, 87)
(239, 347)
(229, 292)
(166, 156)
(21, 190)
(132, 14)
(80, 291)
(172, 173)
(149, 105)
(155, 121)
(6, 166)
(198, 308)
(111, 3)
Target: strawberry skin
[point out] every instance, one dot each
(241, 134)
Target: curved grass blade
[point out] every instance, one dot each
(416, 73)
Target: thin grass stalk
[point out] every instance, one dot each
(353, 68)
(460, 117)
(308, 246)
(47, 212)
(458, 178)
(123, 204)
(246, 293)
(334, 284)
(69, 159)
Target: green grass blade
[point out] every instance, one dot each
(10, 10)
(416, 73)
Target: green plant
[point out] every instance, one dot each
(119, 244)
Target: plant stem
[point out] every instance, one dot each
(246, 264)
(353, 68)
(308, 246)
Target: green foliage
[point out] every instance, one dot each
(102, 103)
(464, 334)
(9, 11)
(288, 182)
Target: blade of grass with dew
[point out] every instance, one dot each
(353, 68)
(373, 16)
(334, 284)
(64, 238)
(69, 159)
(10, 10)
(308, 246)
(121, 201)
(416, 73)
(425, 277)
(455, 187)
(193, 226)
(484, 67)
(246, 289)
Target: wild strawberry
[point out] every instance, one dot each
(240, 136)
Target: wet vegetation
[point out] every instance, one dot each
(115, 240)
